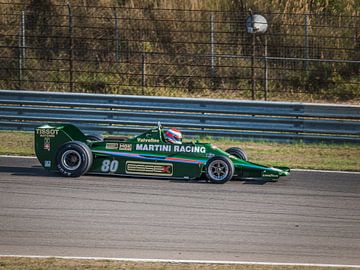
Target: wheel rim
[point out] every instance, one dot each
(71, 160)
(218, 170)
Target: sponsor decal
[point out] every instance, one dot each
(47, 143)
(47, 163)
(125, 147)
(154, 147)
(149, 156)
(271, 175)
(149, 168)
(62, 171)
(171, 148)
(47, 132)
(112, 146)
(150, 140)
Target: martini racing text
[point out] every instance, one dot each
(171, 148)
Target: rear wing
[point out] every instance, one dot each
(48, 139)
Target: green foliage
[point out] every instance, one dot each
(320, 77)
(345, 91)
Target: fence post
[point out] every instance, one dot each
(71, 52)
(266, 71)
(306, 40)
(22, 45)
(127, 51)
(253, 43)
(117, 36)
(212, 42)
(143, 72)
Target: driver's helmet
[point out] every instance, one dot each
(173, 135)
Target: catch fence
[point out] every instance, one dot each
(177, 52)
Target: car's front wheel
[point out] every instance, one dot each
(219, 169)
(73, 159)
(237, 152)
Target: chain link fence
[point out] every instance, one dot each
(177, 52)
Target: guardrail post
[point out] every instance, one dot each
(71, 52)
(111, 115)
(203, 118)
(299, 110)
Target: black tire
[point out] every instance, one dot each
(237, 152)
(73, 159)
(94, 138)
(219, 169)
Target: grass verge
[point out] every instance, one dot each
(11, 263)
(344, 157)
(295, 155)
(16, 143)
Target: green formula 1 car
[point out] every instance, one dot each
(156, 153)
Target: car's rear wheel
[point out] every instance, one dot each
(219, 169)
(73, 159)
(237, 152)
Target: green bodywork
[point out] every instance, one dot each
(144, 155)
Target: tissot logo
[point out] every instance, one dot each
(47, 132)
(149, 168)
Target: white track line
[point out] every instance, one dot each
(10, 156)
(182, 261)
(294, 170)
(325, 171)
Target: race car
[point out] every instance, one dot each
(158, 152)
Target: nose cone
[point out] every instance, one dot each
(285, 170)
(276, 172)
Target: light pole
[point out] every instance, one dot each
(255, 24)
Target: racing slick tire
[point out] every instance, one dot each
(94, 138)
(219, 169)
(237, 152)
(73, 159)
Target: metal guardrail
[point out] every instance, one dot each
(24, 110)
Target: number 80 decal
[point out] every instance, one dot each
(109, 165)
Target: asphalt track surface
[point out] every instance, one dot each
(308, 217)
